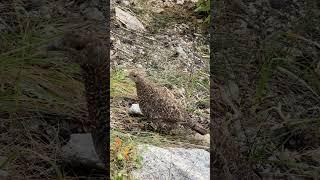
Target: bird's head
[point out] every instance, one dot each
(136, 76)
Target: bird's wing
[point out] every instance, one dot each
(170, 108)
(167, 94)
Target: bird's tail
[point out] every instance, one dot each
(195, 126)
(198, 128)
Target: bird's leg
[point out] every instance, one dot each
(148, 123)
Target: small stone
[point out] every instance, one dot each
(80, 151)
(126, 2)
(135, 109)
(129, 20)
(158, 10)
(199, 20)
(180, 2)
(181, 52)
(182, 91)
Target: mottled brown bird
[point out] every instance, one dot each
(92, 54)
(159, 104)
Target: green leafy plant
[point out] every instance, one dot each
(203, 6)
(124, 158)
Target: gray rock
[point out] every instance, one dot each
(79, 151)
(135, 109)
(180, 2)
(93, 14)
(181, 52)
(173, 163)
(139, 66)
(126, 2)
(129, 20)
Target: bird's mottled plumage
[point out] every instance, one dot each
(158, 103)
(92, 55)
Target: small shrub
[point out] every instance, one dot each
(124, 158)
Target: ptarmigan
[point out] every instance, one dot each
(158, 104)
(91, 54)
